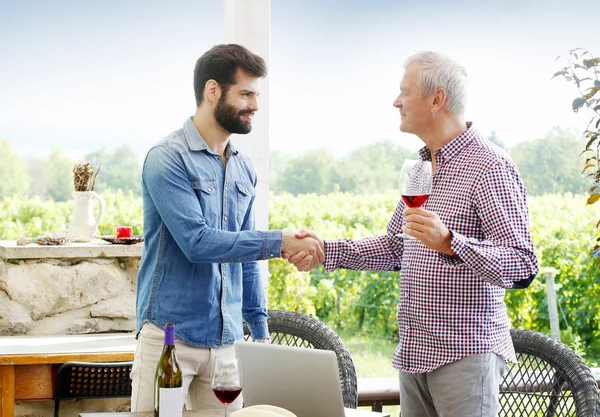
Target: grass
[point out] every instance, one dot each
(372, 358)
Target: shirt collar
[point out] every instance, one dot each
(454, 147)
(196, 143)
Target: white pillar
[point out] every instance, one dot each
(248, 23)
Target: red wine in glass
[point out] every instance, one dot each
(415, 201)
(226, 380)
(226, 395)
(416, 181)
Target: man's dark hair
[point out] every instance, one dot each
(221, 62)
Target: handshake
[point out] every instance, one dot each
(304, 249)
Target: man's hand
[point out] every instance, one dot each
(308, 252)
(302, 262)
(426, 226)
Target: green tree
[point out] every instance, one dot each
(279, 160)
(309, 173)
(38, 172)
(119, 170)
(60, 174)
(14, 179)
(373, 167)
(550, 164)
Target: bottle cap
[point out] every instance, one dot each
(169, 334)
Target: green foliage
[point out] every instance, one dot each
(583, 69)
(122, 208)
(340, 215)
(311, 172)
(14, 179)
(60, 174)
(562, 237)
(120, 169)
(363, 302)
(550, 164)
(39, 173)
(290, 289)
(372, 356)
(373, 167)
(366, 301)
(51, 175)
(33, 217)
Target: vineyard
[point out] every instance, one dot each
(362, 302)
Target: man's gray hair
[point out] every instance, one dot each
(441, 71)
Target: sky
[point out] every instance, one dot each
(82, 75)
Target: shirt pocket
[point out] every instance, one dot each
(245, 193)
(206, 190)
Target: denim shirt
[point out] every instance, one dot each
(198, 267)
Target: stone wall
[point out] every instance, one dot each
(82, 288)
(67, 296)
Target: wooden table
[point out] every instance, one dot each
(349, 413)
(28, 364)
(151, 414)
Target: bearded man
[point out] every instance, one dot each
(199, 265)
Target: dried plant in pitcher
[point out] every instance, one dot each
(84, 176)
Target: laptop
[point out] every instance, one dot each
(302, 380)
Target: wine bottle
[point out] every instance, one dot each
(168, 380)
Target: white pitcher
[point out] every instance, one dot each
(83, 225)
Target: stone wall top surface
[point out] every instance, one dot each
(94, 249)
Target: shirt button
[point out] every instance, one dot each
(224, 217)
(272, 256)
(209, 189)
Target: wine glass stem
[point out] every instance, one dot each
(227, 410)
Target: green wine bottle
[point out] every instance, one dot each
(168, 381)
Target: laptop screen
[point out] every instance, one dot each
(302, 380)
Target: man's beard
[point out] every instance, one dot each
(230, 119)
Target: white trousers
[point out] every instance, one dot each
(196, 364)
(465, 388)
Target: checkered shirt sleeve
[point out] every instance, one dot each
(450, 307)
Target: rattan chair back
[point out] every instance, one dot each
(296, 329)
(550, 380)
(92, 380)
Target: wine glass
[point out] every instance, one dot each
(415, 184)
(226, 380)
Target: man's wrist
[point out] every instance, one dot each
(447, 249)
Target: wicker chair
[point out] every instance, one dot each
(92, 380)
(550, 380)
(296, 329)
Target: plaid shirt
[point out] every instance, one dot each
(453, 306)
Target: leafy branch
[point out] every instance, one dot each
(583, 69)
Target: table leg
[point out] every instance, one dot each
(7, 393)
